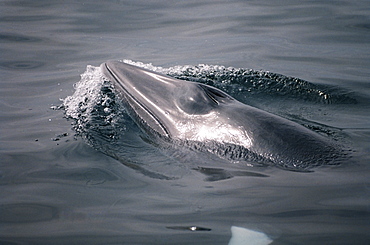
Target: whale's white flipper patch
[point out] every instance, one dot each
(244, 236)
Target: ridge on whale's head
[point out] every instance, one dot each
(192, 112)
(175, 108)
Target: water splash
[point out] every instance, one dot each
(93, 107)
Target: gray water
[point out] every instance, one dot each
(59, 188)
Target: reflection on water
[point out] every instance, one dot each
(216, 174)
(15, 65)
(27, 213)
(90, 176)
(4, 37)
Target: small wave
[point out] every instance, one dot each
(22, 65)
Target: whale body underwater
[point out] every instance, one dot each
(204, 118)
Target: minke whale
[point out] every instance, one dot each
(204, 118)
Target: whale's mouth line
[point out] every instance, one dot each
(140, 104)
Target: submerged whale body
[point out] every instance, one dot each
(206, 119)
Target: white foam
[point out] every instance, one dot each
(181, 70)
(86, 93)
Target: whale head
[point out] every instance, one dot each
(175, 108)
(195, 113)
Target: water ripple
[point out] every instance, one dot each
(11, 38)
(22, 64)
(27, 213)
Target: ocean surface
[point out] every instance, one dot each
(75, 169)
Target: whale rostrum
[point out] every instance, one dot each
(205, 118)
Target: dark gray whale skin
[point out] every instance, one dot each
(207, 119)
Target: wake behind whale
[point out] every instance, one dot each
(192, 117)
